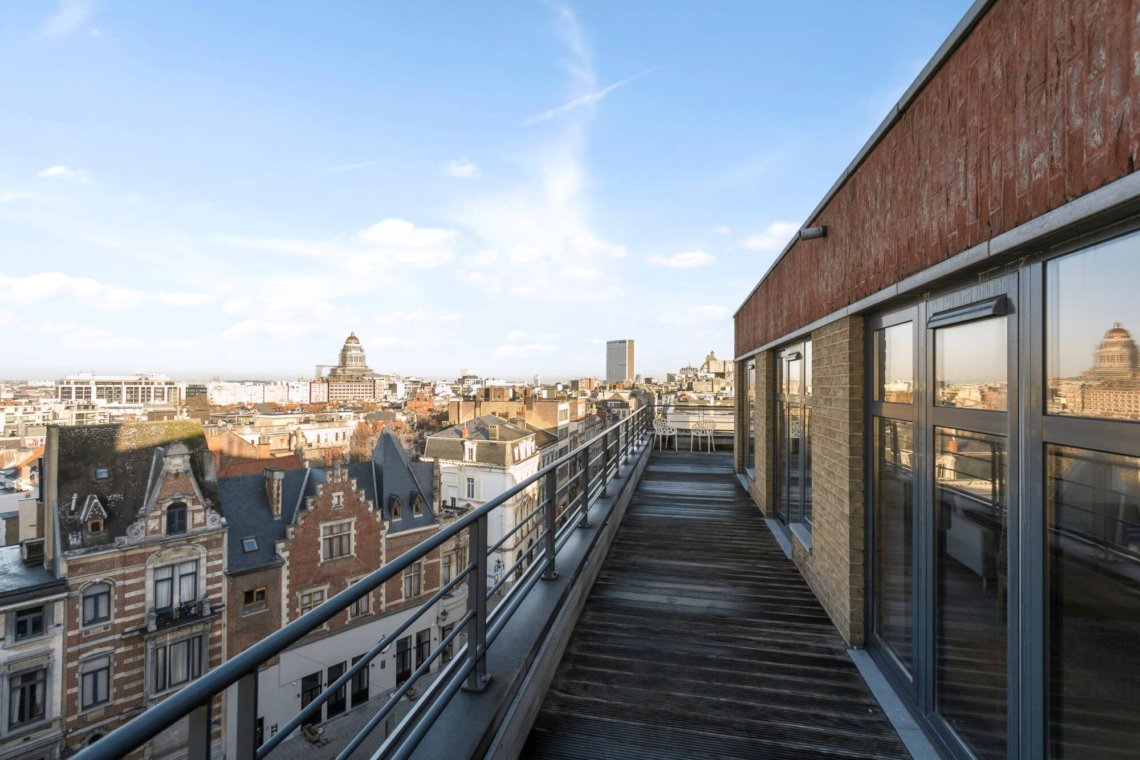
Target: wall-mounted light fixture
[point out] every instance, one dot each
(811, 233)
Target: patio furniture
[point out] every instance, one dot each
(704, 431)
(662, 431)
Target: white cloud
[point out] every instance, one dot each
(483, 258)
(581, 101)
(62, 172)
(84, 290)
(421, 316)
(686, 260)
(11, 196)
(774, 237)
(86, 338)
(461, 168)
(368, 252)
(694, 315)
(185, 299)
(722, 229)
(70, 15)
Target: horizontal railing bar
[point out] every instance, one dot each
(501, 614)
(451, 686)
(308, 710)
(507, 573)
(399, 693)
(499, 544)
(202, 690)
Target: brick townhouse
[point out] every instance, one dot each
(135, 525)
(299, 537)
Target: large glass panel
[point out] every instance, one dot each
(750, 451)
(970, 502)
(780, 467)
(794, 448)
(1093, 361)
(894, 544)
(894, 364)
(1094, 603)
(970, 362)
(807, 368)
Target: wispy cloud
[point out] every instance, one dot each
(583, 100)
(685, 260)
(12, 196)
(774, 237)
(61, 172)
(348, 167)
(90, 293)
(461, 168)
(69, 16)
(722, 229)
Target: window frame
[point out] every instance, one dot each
(176, 519)
(91, 669)
(333, 544)
(94, 592)
(41, 684)
(256, 605)
(31, 611)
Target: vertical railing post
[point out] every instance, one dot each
(477, 605)
(605, 460)
(584, 480)
(548, 519)
(243, 734)
(199, 732)
(625, 425)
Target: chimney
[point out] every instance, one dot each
(263, 447)
(463, 431)
(274, 485)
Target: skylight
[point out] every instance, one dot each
(249, 544)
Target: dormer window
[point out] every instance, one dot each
(176, 519)
(94, 527)
(394, 507)
(338, 500)
(417, 506)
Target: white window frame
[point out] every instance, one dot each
(326, 538)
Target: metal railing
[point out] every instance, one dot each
(684, 417)
(599, 459)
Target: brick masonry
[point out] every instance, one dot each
(1035, 108)
(834, 567)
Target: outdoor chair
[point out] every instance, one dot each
(662, 431)
(703, 431)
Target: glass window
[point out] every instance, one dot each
(336, 704)
(412, 581)
(1092, 311)
(95, 682)
(423, 646)
(894, 543)
(359, 693)
(29, 623)
(970, 365)
(448, 648)
(970, 503)
(336, 540)
(310, 688)
(176, 519)
(403, 659)
(96, 604)
(1093, 512)
(894, 364)
(470, 488)
(254, 600)
(177, 663)
(310, 600)
(26, 693)
(361, 606)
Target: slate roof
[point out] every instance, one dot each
(389, 473)
(131, 453)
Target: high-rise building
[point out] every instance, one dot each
(619, 361)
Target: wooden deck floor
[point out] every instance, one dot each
(701, 639)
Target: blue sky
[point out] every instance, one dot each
(230, 188)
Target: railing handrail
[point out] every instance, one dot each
(202, 690)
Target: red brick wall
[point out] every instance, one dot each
(246, 630)
(1034, 108)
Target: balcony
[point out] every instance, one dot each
(178, 615)
(661, 620)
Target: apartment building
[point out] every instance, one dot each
(299, 537)
(938, 388)
(134, 524)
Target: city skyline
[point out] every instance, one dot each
(475, 189)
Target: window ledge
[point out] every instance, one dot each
(802, 534)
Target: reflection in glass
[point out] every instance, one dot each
(970, 365)
(970, 606)
(894, 514)
(894, 364)
(793, 451)
(1093, 360)
(1094, 604)
(750, 444)
(792, 383)
(807, 368)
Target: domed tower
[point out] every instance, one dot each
(352, 361)
(1117, 357)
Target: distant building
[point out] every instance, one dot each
(120, 389)
(350, 379)
(619, 361)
